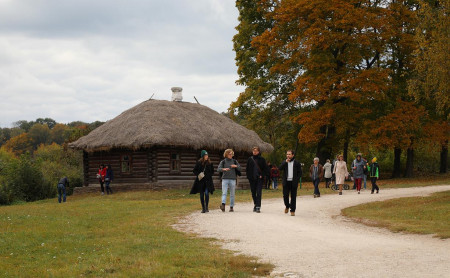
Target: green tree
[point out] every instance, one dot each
(40, 134)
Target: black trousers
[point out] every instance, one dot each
(289, 187)
(374, 184)
(256, 187)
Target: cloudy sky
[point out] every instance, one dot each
(90, 60)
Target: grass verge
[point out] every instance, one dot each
(122, 235)
(421, 215)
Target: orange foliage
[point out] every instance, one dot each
(20, 144)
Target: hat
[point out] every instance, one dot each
(203, 153)
(374, 159)
(359, 154)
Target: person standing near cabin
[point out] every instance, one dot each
(229, 168)
(374, 174)
(274, 175)
(292, 172)
(340, 172)
(203, 184)
(256, 171)
(63, 182)
(316, 173)
(358, 166)
(327, 168)
(101, 177)
(109, 176)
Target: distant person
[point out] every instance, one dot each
(268, 179)
(358, 166)
(365, 172)
(256, 171)
(374, 174)
(230, 170)
(274, 175)
(333, 164)
(203, 184)
(101, 177)
(340, 172)
(328, 174)
(316, 173)
(292, 172)
(62, 184)
(109, 176)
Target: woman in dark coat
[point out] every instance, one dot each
(204, 185)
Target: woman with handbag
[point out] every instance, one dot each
(203, 183)
(101, 177)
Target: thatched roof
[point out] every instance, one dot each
(168, 123)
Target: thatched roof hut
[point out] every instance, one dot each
(170, 123)
(157, 142)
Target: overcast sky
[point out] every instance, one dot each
(90, 60)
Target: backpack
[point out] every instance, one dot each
(238, 173)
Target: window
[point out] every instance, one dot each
(125, 164)
(175, 163)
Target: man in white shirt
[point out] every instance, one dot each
(292, 172)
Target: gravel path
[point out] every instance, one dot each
(317, 242)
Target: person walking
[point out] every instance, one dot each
(374, 174)
(340, 171)
(292, 172)
(256, 171)
(274, 175)
(101, 177)
(365, 173)
(358, 166)
(316, 173)
(333, 177)
(109, 176)
(230, 169)
(203, 184)
(268, 179)
(63, 182)
(328, 173)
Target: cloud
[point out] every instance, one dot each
(91, 60)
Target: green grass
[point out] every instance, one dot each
(421, 215)
(122, 235)
(127, 234)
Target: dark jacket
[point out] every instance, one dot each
(64, 181)
(206, 182)
(109, 174)
(297, 171)
(252, 168)
(320, 171)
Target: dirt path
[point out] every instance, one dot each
(317, 242)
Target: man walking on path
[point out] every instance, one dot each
(256, 171)
(292, 172)
(374, 174)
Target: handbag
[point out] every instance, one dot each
(202, 174)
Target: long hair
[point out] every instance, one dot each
(203, 161)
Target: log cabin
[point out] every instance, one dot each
(156, 143)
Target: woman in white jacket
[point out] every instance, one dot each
(341, 172)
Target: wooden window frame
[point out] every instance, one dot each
(178, 161)
(130, 164)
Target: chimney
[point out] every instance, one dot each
(176, 94)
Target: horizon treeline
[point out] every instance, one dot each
(34, 156)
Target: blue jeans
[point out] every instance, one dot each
(274, 183)
(227, 183)
(61, 191)
(316, 186)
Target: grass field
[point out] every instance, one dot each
(422, 215)
(127, 234)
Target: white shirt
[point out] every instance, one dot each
(290, 174)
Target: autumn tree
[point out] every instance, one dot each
(429, 84)
(40, 133)
(20, 144)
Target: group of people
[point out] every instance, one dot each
(258, 171)
(105, 176)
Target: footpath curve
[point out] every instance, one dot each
(318, 242)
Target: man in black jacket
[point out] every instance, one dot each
(256, 171)
(292, 172)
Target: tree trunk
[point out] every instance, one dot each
(409, 171)
(324, 146)
(345, 150)
(444, 156)
(396, 173)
